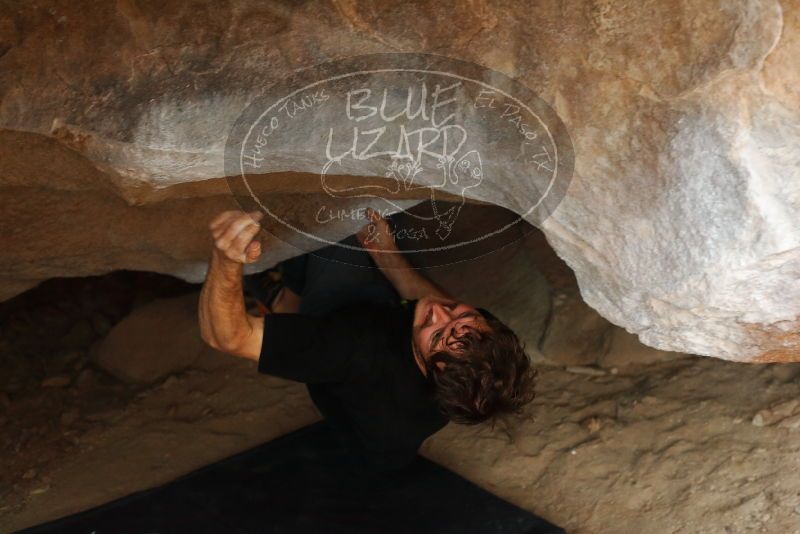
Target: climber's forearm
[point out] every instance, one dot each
(224, 321)
(409, 282)
(378, 240)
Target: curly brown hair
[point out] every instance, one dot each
(490, 377)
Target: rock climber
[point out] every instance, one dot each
(388, 356)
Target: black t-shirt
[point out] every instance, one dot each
(361, 374)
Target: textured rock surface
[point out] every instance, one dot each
(576, 334)
(154, 341)
(681, 221)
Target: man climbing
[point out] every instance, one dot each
(387, 355)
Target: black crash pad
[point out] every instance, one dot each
(305, 482)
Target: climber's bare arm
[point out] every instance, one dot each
(224, 321)
(409, 282)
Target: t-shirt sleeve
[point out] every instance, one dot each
(307, 349)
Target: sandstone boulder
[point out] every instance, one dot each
(576, 334)
(154, 341)
(680, 221)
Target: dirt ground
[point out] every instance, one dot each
(686, 444)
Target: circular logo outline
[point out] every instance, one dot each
(556, 173)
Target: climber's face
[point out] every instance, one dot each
(440, 325)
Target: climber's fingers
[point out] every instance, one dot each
(241, 244)
(234, 235)
(252, 251)
(220, 221)
(233, 226)
(376, 236)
